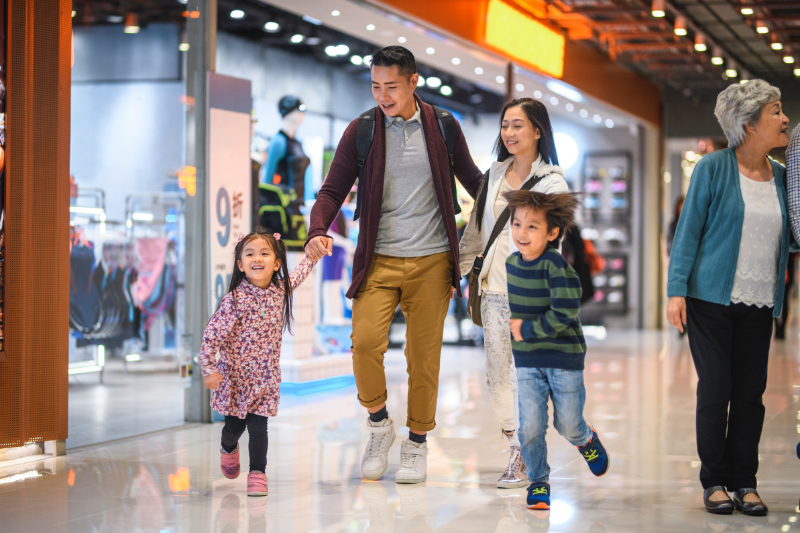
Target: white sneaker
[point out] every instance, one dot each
(376, 456)
(413, 463)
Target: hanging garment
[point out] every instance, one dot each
(152, 254)
(85, 306)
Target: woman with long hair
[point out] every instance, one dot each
(526, 156)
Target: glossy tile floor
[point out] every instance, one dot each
(640, 397)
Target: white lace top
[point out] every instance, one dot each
(756, 277)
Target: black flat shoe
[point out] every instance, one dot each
(758, 508)
(720, 507)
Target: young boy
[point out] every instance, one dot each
(548, 345)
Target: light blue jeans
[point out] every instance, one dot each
(566, 389)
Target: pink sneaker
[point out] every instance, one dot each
(257, 484)
(229, 463)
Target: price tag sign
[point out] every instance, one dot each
(229, 177)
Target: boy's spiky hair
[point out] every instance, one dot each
(559, 209)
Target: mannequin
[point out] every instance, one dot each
(282, 187)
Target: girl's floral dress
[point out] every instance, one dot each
(248, 337)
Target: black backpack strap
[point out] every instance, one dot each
(364, 136)
(447, 123)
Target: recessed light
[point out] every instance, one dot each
(553, 100)
(777, 46)
(433, 81)
(717, 61)
(478, 71)
(797, 72)
(335, 13)
(455, 61)
(74, 12)
(609, 123)
(421, 82)
(520, 87)
(700, 47)
(597, 119)
(731, 73)
(370, 27)
(788, 59)
(537, 94)
(237, 14)
(500, 79)
(570, 107)
(183, 47)
(742, 82)
(747, 11)
(356, 60)
(445, 90)
(331, 51)
(272, 27)
(115, 19)
(342, 49)
(761, 27)
(368, 61)
(430, 50)
(584, 113)
(297, 38)
(401, 40)
(312, 20)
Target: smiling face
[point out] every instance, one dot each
(518, 133)
(772, 127)
(530, 233)
(394, 92)
(258, 262)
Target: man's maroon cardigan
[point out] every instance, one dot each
(344, 171)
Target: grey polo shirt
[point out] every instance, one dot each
(411, 221)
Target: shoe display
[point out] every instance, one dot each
(514, 477)
(229, 463)
(758, 508)
(539, 496)
(413, 463)
(595, 454)
(257, 484)
(376, 456)
(719, 507)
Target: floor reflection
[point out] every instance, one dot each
(640, 396)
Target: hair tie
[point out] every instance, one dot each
(242, 236)
(277, 236)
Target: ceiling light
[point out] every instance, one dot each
(500, 79)
(564, 90)
(537, 94)
(761, 27)
(797, 72)
(742, 82)
(553, 100)
(115, 19)
(478, 71)
(331, 51)
(335, 13)
(570, 107)
(272, 27)
(445, 90)
(777, 46)
(717, 61)
(131, 23)
(597, 119)
(433, 81)
(356, 60)
(700, 43)
(455, 61)
(716, 58)
(312, 20)
(74, 12)
(584, 113)
(520, 87)
(370, 27)
(430, 50)
(183, 47)
(421, 82)
(401, 40)
(788, 59)
(609, 123)
(657, 8)
(237, 14)
(747, 11)
(342, 49)
(368, 61)
(731, 73)
(297, 38)
(680, 26)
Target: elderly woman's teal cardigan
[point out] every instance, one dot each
(706, 247)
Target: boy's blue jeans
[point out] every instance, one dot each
(566, 389)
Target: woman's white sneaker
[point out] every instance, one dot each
(376, 456)
(413, 462)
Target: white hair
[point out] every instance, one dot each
(740, 105)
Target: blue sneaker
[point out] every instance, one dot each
(595, 454)
(539, 496)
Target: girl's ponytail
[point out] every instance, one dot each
(283, 280)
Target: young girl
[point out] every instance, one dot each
(247, 331)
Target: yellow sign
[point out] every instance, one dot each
(524, 38)
(187, 179)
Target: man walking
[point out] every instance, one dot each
(407, 249)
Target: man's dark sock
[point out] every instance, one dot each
(417, 438)
(377, 416)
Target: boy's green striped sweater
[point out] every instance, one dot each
(546, 294)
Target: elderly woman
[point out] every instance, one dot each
(726, 283)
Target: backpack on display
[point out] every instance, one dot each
(366, 132)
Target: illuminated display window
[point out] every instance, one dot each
(524, 38)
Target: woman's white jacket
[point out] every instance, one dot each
(474, 241)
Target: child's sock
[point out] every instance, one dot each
(228, 450)
(377, 416)
(417, 438)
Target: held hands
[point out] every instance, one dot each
(213, 381)
(516, 328)
(319, 247)
(676, 312)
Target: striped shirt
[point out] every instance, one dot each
(546, 294)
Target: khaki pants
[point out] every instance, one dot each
(421, 285)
